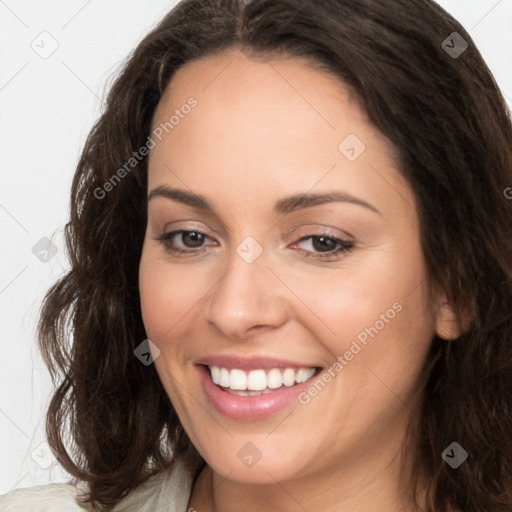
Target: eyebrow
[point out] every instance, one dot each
(283, 206)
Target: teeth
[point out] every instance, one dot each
(238, 380)
(302, 375)
(255, 381)
(289, 377)
(224, 378)
(274, 379)
(215, 371)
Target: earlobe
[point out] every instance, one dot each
(448, 326)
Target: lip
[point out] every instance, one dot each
(250, 408)
(251, 363)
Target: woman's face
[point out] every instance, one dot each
(300, 259)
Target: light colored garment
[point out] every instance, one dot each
(168, 491)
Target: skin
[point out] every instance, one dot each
(263, 130)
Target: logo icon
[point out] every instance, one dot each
(147, 352)
(44, 250)
(45, 45)
(249, 249)
(42, 455)
(352, 147)
(454, 455)
(454, 45)
(249, 455)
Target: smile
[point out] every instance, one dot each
(260, 381)
(254, 388)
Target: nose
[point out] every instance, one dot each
(247, 299)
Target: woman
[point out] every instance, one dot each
(290, 242)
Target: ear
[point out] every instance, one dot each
(447, 325)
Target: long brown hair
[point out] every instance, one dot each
(110, 422)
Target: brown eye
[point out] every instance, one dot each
(183, 241)
(323, 243)
(192, 238)
(323, 246)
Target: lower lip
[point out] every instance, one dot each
(249, 408)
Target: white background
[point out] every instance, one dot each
(47, 108)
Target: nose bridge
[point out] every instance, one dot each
(246, 296)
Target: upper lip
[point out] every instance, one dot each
(250, 363)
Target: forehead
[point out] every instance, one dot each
(265, 125)
(277, 86)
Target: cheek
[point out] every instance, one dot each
(376, 314)
(157, 310)
(342, 304)
(162, 306)
(163, 311)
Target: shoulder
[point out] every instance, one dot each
(169, 491)
(42, 498)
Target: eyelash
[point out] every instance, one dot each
(344, 246)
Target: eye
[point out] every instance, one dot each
(183, 241)
(323, 246)
(192, 242)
